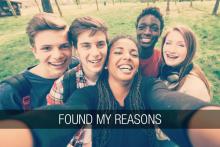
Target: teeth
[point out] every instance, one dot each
(172, 56)
(95, 61)
(125, 67)
(125, 70)
(146, 39)
(58, 63)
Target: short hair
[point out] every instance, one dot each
(44, 21)
(82, 24)
(155, 11)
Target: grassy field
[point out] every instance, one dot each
(15, 53)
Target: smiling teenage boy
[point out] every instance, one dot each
(90, 39)
(50, 46)
(149, 26)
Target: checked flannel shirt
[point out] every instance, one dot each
(83, 137)
(56, 93)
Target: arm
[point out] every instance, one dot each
(163, 99)
(45, 137)
(15, 137)
(204, 137)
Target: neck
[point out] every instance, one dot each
(146, 52)
(92, 77)
(42, 72)
(119, 89)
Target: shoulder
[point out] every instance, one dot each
(194, 82)
(194, 86)
(9, 97)
(157, 52)
(14, 83)
(5, 88)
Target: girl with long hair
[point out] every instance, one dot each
(178, 70)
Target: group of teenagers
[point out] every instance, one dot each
(120, 74)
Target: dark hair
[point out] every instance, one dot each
(155, 11)
(105, 98)
(44, 21)
(134, 93)
(82, 24)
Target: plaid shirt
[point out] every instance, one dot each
(83, 136)
(57, 91)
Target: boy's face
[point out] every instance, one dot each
(53, 51)
(92, 51)
(148, 31)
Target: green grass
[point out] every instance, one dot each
(15, 53)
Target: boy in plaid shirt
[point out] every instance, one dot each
(89, 38)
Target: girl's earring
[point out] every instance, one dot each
(105, 67)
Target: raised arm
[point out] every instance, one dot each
(194, 117)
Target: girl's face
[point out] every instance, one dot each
(174, 49)
(123, 60)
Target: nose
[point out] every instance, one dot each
(57, 53)
(172, 48)
(147, 30)
(95, 52)
(127, 56)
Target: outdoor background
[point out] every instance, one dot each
(120, 17)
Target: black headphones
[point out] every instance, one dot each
(172, 76)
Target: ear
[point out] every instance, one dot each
(76, 51)
(34, 51)
(106, 65)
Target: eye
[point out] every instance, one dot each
(117, 51)
(141, 27)
(134, 54)
(86, 45)
(65, 46)
(46, 48)
(101, 44)
(181, 45)
(167, 42)
(154, 28)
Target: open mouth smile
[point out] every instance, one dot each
(95, 61)
(126, 68)
(172, 56)
(60, 63)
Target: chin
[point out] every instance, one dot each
(146, 45)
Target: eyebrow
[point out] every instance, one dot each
(181, 42)
(118, 47)
(47, 45)
(101, 41)
(144, 23)
(133, 49)
(85, 43)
